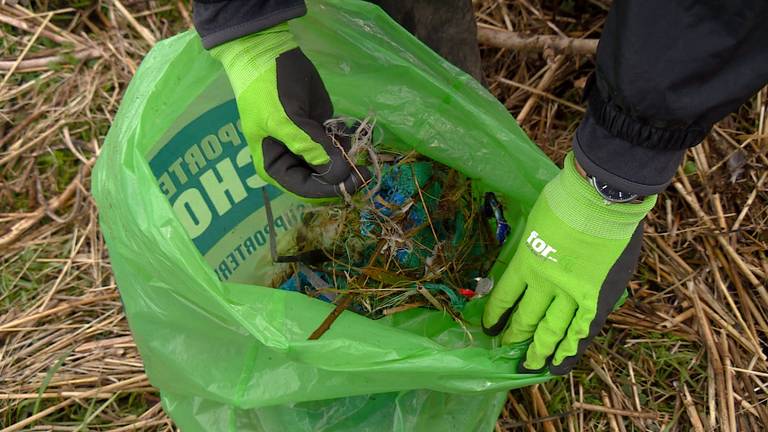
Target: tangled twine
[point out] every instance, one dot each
(361, 139)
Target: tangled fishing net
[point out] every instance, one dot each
(416, 236)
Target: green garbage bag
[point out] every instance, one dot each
(182, 212)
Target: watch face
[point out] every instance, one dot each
(611, 194)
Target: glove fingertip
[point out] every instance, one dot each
(523, 369)
(499, 325)
(565, 367)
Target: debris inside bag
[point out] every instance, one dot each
(417, 236)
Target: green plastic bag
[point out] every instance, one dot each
(182, 213)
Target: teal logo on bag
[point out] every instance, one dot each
(207, 174)
(206, 171)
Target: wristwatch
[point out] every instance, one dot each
(609, 193)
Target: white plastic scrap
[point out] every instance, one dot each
(483, 286)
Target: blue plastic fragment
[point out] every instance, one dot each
(416, 216)
(395, 190)
(290, 284)
(403, 255)
(398, 192)
(299, 283)
(502, 227)
(366, 223)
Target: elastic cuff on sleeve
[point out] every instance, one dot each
(621, 164)
(211, 40)
(659, 135)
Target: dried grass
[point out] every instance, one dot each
(686, 353)
(67, 359)
(688, 350)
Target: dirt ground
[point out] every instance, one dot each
(686, 352)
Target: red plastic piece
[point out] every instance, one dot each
(468, 293)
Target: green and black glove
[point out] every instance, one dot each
(573, 264)
(283, 104)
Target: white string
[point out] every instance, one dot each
(362, 139)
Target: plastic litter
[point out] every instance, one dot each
(419, 241)
(494, 208)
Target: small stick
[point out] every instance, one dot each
(714, 356)
(747, 406)
(690, 408)
(742, 266)
(20, 227)
(23, 25)
(120, 341)
(25, 51)
(141, 425)
(45, 412)
(542, 93)
(56, 310)
(344, 302)
(634, 386)
(731, 408)
(521, 413)
(143, 31)
(546, 80)
(747, 371)
(749, 202)
(401, 308)
(71, 145)
(541, 408)
(423, 203)
(74, 394)
(519, 424)
(611, 417)
(516, 41)
(679, 318)
(430, 298)
(43, 63)
(614, 411)
(18, 9)
(581, 411)
(184, 13)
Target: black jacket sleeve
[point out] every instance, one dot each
(219, 21)
(666, 72)
(446, 26)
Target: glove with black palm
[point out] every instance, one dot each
(283, 104)
(571, 267)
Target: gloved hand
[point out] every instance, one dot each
(573, 264)
(283, 103)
